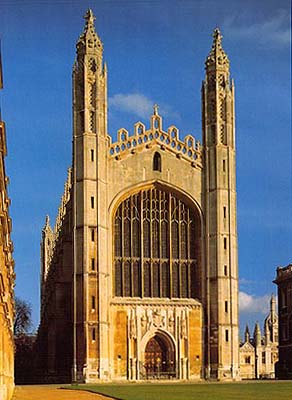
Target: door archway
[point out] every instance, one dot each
(159, 358)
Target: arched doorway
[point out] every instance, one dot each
(159, 359)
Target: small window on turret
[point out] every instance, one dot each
(224, 165)
(224, 212)
(92, 154)
(157, 162)
(93, 302)
(225, 243)
(93, 334)
(225, 270)
(92, 201)
(92, 235)
(226, 336)
(226, 306)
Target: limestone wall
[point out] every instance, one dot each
(6, 283)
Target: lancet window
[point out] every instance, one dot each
(155, 246)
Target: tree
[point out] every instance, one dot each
(22, 321)
(23, 342)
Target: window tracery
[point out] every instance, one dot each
(155, 246)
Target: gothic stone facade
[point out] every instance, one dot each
(259, 355)
(6, 278)
(284, 282)
(139, 276)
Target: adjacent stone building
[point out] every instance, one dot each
(7, 276)
(139, 276)
(284, 282)
(259, 355)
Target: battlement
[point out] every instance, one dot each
(188, 149)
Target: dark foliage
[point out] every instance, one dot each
(23, 342)
(22, 321)
(24, 359)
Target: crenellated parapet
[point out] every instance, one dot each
(188, 149)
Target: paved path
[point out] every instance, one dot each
(52, 392)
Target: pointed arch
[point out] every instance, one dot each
(157, 162)
(157, 239)
(158, 353)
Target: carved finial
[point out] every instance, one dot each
(47, 226)
(217, 36)
(273, 304)
(246, 334)
(155, 109)
(89, 17)
(257, 334)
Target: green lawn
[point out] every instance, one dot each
(201, 391)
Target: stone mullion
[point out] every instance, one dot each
(188, 254)
(169, 244)
(131, 245)
(122, 250)
(167, 247)
(160, 248)
(180, 283)
(150, 241)
(142, 244)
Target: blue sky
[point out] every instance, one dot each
(155, 51)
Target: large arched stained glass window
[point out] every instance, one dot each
(155, 239)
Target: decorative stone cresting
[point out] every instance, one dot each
(55, 232)
(189, 149)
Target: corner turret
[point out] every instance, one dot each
(218, 97)
(218, 123)
(89, 82)
(90, 149)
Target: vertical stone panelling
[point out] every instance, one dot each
(195, 344)
(120, 343)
